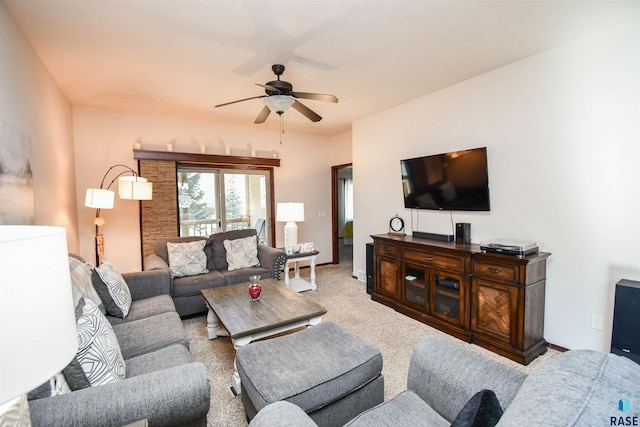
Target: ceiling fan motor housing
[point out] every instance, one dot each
(284, 88)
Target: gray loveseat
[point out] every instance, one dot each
(186, 290)
(575, 388)
(161, 384)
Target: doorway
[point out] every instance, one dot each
(342, 213)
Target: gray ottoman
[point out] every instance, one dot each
(329, 372)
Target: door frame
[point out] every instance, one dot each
(334, 211)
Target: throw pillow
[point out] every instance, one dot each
(113, 290)
(242, 253)
(75, 376)
(81, 281)
(98, 352)
(187, 259)
(482, 410)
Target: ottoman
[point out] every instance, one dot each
(329, 372)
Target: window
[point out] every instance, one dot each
(211, 200)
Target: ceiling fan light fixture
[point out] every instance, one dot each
(279, 103)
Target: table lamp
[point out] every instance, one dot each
(37, 322)
(290, 213)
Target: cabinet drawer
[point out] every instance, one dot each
(494, 271)
(384, 248)
(448, 262)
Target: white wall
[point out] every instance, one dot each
(105, 137)
(562, 130)
(32, 103)
(341, 148)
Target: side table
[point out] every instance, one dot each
(296, 282)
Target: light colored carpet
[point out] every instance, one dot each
(349, 305)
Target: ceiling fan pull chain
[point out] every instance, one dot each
(281, 128)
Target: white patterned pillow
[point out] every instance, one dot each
(98, 353)
(113, 290)
(187, 258)
(81, 281)
(242, 253)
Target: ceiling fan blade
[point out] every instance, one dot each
(306, 111)
(240, 100)
(263, 115)
(275, 89)
(315, 96)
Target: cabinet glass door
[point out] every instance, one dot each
(447, 297)
(416, 285)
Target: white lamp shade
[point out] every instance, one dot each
(278, 103)
(37, 321)
(290, 212)
(99, 198)
(134, 188)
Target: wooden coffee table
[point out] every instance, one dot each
(279, 309)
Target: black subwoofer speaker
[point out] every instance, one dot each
(369, 268)
(463, 233)
(625, 339)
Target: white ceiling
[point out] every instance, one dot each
(182, 57)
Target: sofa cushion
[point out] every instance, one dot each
(242, 253)
(217, 245)
(192, 285)
(146, 308)
(164, 358)
(579, 387)
(405, 409)
(81, 281)
(113, 290)
(458, 382)
(482, 410)
(149, 334)
(98, 350)
(187, 258)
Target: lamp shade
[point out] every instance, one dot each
(290, 212)
(99, 198)
(134, 188)
(278, 103)
(37, 322)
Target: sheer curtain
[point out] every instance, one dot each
(348, 199)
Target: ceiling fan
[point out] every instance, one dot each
(280, 96)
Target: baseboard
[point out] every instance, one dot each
(557, 347)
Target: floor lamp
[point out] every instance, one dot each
(33, 348)
(130, 187)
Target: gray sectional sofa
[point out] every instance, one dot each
(575, 388)
(162, 384)
(186, 290)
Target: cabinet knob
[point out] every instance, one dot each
(494, 270)
(387, 248)
(429, 258)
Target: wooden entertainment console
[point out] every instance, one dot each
(495, 301)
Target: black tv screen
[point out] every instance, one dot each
(457, 181)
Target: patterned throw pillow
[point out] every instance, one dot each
(242, 253)
(187, 259)
(98, 349)
(81, 281)
(113, 290)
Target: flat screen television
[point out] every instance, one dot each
(456, 181)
